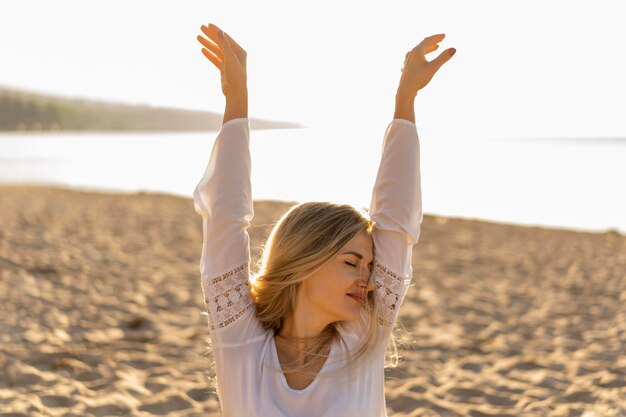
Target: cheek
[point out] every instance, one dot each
(330, 289)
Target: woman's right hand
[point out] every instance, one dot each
(228, 57)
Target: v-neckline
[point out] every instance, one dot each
(282, 376)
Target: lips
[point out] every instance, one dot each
(356, 297)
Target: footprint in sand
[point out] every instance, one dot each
(167, 405)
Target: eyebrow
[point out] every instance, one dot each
(358, 255)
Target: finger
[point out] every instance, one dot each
(212, 32)
(227, 52)
(430, 41)
(215, 60)
(433, 39)
(443, 58)
(431, 49)
(211, 46)
(238, 49)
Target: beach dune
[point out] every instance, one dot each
(101, 313)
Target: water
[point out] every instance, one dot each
(574, 184)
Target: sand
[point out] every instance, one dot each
(101, 313)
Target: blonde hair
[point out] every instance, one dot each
(305, 238)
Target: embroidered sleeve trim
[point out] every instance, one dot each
(390, 291)
(227, 296)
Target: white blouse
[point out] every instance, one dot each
(244, 352)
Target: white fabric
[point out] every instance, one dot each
(243, 351)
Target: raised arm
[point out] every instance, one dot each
(223, 195)
(396, 205)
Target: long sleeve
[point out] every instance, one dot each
(396, 207)
(223, 198)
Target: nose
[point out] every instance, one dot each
(367, 284)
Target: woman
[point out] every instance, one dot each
(307, 335)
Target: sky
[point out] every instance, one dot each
(523, 69)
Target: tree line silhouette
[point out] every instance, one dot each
(23, 111)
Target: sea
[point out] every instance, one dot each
(577, 184)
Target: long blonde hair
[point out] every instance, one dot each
(305, 238)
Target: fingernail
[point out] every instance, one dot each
(452, 51)
(219, 32)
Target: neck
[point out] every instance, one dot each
(304, 322)
(295, 343)
(297, 327)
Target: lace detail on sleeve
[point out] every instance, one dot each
(227, 296)
(390, 291)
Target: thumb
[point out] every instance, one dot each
(443, 57)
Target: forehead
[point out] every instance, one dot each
(362, 243)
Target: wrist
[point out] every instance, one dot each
(405, 97)
(404, 110)
(237, 97)
(236, 107)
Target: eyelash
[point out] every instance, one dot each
(354, 266)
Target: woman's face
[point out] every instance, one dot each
(337, 291)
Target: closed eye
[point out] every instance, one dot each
(350, 264)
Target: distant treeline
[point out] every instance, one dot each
(24, 111)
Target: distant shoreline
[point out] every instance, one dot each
(30, 112)
(48, 133)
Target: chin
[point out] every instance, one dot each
(349, 311)
(346, 316)
(352, 313)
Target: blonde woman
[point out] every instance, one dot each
(306, 335)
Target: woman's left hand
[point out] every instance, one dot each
(228, 57)
(417, 71)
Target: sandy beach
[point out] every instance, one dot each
(101, 313)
